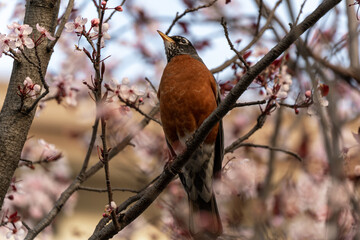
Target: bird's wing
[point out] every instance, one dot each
(219, 144)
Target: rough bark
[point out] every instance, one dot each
(14, 125)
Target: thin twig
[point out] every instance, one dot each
(259, 18)
(189, 10)
(47, 159)
(105, 160)
(271, 148)
(244, 104)
(42, 79)
(151, 84)
(125, 204)
(113, 12)
(90, 147)
(97, 6)
(136, 108)
(223, 23)
(300, 12)
(235, 145)
(274, 139)
(253, 41)
(101, 190)
(61, 26)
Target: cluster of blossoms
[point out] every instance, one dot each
(65, 89)
(19, 37)
(41, 185)
(78, 26)
(281, 86)
(29, 89)
(130, 94)
(109, 208)
(14, 226)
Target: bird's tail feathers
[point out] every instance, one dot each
(205, 222)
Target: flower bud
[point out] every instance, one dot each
(95, 22)
(119, 8)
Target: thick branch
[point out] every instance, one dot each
(14, 125)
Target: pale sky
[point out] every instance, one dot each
(213, 56)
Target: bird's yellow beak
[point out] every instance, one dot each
(165, 37)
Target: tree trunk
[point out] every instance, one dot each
(14, 125)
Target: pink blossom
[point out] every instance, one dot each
(6, 44)
(113, 204)
(76, 26)
(152, 97)
(320, 99)
(285, 79)
(95, 22)
(31, 89)
(18, 38)
(20, 29)
(105, 34)
(65, 89)
(44, 32)
(20, 35)
(49, 150)
(16, 231)
(130, 93)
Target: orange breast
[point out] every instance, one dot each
(187, 95)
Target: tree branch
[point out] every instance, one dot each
(271, 149)
(136, 108)
(61, 26)
(189, 10)
(253, 41)
(223, 23)
(236, 144)
(98, 190)
(353, 43)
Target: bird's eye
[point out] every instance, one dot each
(183, 41)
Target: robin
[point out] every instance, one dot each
(188, 94)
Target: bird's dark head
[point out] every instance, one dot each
(178, 45)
